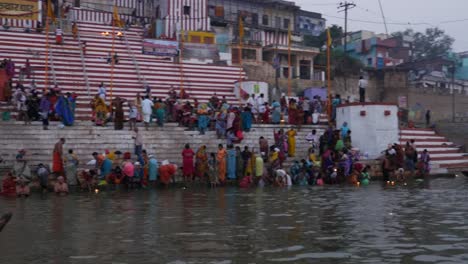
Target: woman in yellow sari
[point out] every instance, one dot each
(250, 168)
(291, 142)
(201, 163)
(221, 159)
(101, 110)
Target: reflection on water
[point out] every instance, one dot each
(401, 224)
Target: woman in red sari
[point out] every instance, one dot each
(292, 112)
(57, 164)
(166, 172)
(201, 162)
(187, 162)
(8, 185)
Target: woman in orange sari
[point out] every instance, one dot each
(201, 162)
(221, 158)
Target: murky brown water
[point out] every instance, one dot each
(426, 223)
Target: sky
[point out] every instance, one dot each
(449, 15)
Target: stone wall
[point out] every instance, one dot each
(455, 132)
(264, 71)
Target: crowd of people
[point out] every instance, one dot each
(331, 159)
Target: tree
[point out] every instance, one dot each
(336, 33)
(431, 44)
(341, 63)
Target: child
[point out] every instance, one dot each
(319, 181)
(132, 115)
(400, 175)
(212, 170)
(365, 177)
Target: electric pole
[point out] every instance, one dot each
(344, 7)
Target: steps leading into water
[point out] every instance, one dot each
(165, 143)
(445, 156)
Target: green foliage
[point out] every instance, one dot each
(341, 63)
(433, 43)
(336, 33)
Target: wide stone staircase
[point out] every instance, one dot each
(445, 156)
(65, 66)
(165, 143)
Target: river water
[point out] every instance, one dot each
(419, 223)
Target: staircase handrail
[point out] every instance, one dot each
(83, 61)
(137, 67)
(51, 55)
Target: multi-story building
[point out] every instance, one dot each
(462, 69)
(375, 51)
(267, 25)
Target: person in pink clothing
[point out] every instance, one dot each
(61, 187)
(128, 170)
(246, 182)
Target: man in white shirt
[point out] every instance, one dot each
(362, 89)
(261, 106)
(147, 109)
(252, 103)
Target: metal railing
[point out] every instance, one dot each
(51, 56)
(72, 20)
(83, 62)
(141, 77)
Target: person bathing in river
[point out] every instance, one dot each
(61, 187)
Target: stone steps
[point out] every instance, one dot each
(84, 138)
(200, 80)
(445, 156)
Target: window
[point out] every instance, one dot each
(158, 15)
(195, 39)
(369, 61)
(265, 20)
(278, 22)
(209, 40)
(306, 26)
(304, 69)
(249, 54)
(187, 10)
(219, 11)
(285, 72)
(286, 23)
(235, 56)
(255, 19)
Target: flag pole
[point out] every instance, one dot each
(289, 61)
(181, 59)
(114, 21)
(241, 40)
(46, 69)
(49, 17)
(329, 110)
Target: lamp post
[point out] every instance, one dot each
(453, 92)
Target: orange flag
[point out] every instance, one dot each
(50, 12)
